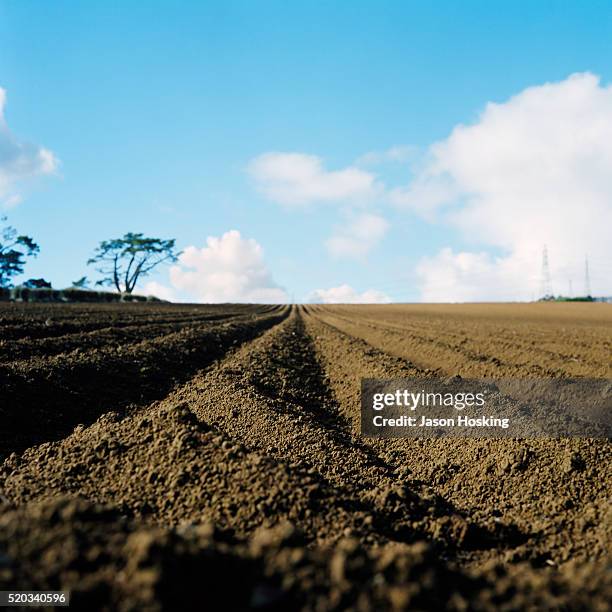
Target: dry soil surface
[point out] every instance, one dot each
(191, 457)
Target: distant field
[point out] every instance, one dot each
(538, 339)
(246, 417)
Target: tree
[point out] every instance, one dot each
(13, 252)
(122, 261)
(37, 283)
(82, 283)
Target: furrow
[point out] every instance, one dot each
(51, 321)
(114, 336)
(519, 489)
(43, 400)
(487, 346)
(256, 438)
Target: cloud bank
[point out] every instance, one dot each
(534, 170)
(345, 294)
(19, 161)
(470, 277)
(229, 268)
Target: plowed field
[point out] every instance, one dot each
(208, 457)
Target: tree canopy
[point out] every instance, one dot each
(37, 283)
(14, 249)
(82, 283)
(123, 261)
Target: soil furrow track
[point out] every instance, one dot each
(276, 399)
(501, 484)
(52, 322)
(487, 346)
(251, 424)
(109, 336)
(257, 437)
(43, 399)
(430, 349)
(26, 348)
(179, 466)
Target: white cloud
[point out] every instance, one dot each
(345, 294)
(228, 269)
(534, 170)
(359, 237)
(19, 161)
(472, 277)
(158, 290)
(298, 179)
(397, 154)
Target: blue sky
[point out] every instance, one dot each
(156, 112)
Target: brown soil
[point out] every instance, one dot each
(197, 457)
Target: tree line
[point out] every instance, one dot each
(121, 262)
